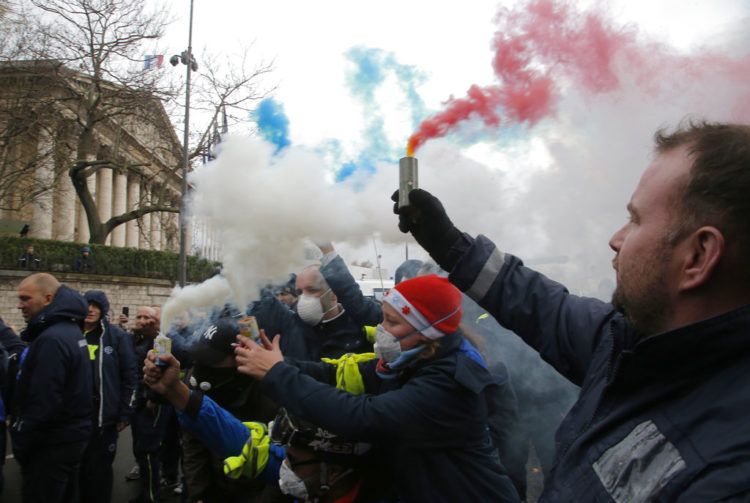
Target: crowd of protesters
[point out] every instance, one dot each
(316, 392)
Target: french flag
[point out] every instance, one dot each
(153, 61)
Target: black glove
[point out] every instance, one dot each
(428, 222)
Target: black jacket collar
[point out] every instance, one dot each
(687, 351)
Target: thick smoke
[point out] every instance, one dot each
(544, 49)
(556, 190)
(266, 208)
(607, 89)
(213, 291)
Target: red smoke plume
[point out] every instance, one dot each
(546, 44)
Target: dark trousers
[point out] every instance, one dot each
(50, 473)
(96, 465)
(171, 452)
(3, 441)
(149, 429)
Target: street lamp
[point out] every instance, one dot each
(186, 58)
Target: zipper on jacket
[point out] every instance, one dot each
(609, 369)
(610, 372)
(101, 375)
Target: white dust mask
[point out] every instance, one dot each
(310, 308)
(290, 484)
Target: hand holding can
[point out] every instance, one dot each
(162, 346)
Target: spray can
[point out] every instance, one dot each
(407, 179)
(162, 346)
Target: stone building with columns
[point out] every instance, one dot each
(140, 153)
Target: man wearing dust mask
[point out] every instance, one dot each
(335, 332)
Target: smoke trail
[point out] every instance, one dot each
(546, 48)
(213, 291)
(368, 77)
(371, 68)
(273, 124)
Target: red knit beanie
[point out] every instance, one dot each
(429, 303)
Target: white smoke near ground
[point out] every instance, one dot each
(213, 291)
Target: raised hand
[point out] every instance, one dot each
(256, 358)
(425, 218)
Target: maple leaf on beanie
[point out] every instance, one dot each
(431, 304)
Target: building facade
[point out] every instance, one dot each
(136, 161)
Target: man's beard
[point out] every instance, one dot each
(645, 301)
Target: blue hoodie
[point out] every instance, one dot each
(115, 374)
(53, 400)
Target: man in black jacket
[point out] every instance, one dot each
(85, 263)
(319, 323)
(29, 259)
(335, 330)
(53, 403)
(663, 368)
(151, 416)
(114, 368)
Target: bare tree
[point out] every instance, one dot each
(223, 94)
(93, 75)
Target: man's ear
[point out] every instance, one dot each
(703, 250)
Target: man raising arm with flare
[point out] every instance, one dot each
(663, 368)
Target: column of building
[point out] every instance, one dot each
(134, 197)
(144, 237)
(65, 197)
(104, 197)
(44, 177)
(83, 234)
(119, 205)
(155, 222)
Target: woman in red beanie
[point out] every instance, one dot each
(423, 406)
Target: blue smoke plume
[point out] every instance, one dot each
(370, 68)
(273, 124)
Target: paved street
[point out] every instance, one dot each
(123, 491)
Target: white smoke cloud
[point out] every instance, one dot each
(553, 195)
(213, 291)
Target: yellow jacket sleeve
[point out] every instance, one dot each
(254, 457)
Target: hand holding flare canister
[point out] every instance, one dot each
(407, 179)
(249, 327)
(162, 346)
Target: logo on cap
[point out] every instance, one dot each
(210, 332)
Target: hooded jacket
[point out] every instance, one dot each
(659, 418)
(53, 399)
(115, 375)
(363, 310)
(275, 317)
(430, 423)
